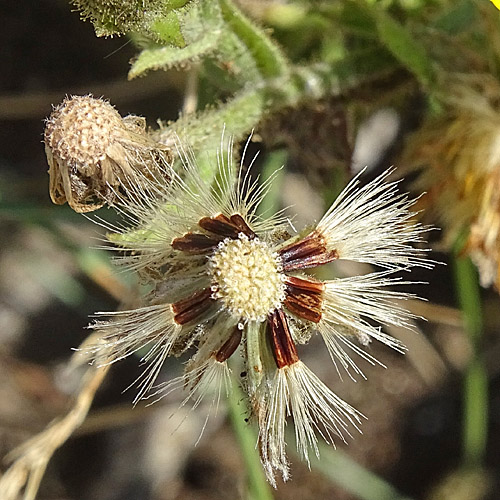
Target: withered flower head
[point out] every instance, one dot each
(460, 156)
(92, 152)
(227, 279)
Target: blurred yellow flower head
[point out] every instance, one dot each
(460, 155)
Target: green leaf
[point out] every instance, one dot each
(352, 477)
(175, 4)
(170, 57)
(239, 115)
(168, 29)
(267, 55)
(356, 19)
(235, 61)
(201, 27)
(215, 29)
(404, 47)
(458, 19)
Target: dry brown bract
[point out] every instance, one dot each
(92, 152)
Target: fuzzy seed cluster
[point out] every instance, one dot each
(247, 278)
(80, 131)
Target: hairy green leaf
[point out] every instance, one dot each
(201, 27)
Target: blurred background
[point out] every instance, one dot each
(52, 277)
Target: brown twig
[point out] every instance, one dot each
(32, 457)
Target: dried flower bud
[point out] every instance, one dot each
(93, 152)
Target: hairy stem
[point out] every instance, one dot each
(246, 437)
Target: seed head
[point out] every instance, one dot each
(247, 279)
(225, 279)
(92, 151)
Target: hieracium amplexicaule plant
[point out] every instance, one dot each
(226, 280)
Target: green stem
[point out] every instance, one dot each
(258, 486)
(244, 111)
(475, 413)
